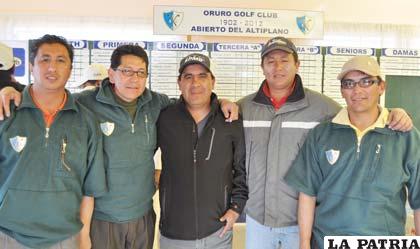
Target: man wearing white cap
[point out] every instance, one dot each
(93, 76)
(353, 173)
(7, 68)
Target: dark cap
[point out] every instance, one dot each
(194, 58)
(278, 43)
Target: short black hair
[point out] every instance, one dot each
(49, 39)
(128, 49)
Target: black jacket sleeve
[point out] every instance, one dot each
(240, 188)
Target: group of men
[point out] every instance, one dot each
(94, 150)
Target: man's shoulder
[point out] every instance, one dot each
(315, 97)
(87, 115)
(321, 104)
(171, 110)
(323, 131)
(247, 99)
(158, 100)
(86, 96)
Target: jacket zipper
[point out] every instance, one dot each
(195, 181)
(358, 150)
(359, 143)
(248, 153)
(63, 155)
(372, 170)
(47, 135)
(213, 132)
(132, 128)
(146, 122)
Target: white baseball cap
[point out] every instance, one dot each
(95, 72)
(6, 57)
(363, 63)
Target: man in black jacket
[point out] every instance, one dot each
(203, 183)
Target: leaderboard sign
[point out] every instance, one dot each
(183, 20)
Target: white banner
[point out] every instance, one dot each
(184, 20)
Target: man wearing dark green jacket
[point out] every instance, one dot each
(127, 112)
(353, 173)
(51, 161)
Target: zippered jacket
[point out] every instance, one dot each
(273, 139)
(45, 171)
(129, 147)
(360, 188)
(202, 177)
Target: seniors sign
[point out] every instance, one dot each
(183, 20)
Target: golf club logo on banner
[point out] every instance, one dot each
(173, 19)
(305, 24)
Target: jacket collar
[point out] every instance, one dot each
(297, 94)
(105, 95)
(379, 126)
(27, 101)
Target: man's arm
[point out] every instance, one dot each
(239, 186)
(417, 221)
(86, 211)
(8, 94)
(306, 212)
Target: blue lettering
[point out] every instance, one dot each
(217, 13)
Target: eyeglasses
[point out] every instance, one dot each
(129, 73)
(363, 83)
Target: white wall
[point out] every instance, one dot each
(373, 23)
(362, 11)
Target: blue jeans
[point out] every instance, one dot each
(262, 237)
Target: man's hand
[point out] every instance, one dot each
(8, 94)
(84, 239)
(399, 120)
(230, 217)
(229, 109)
